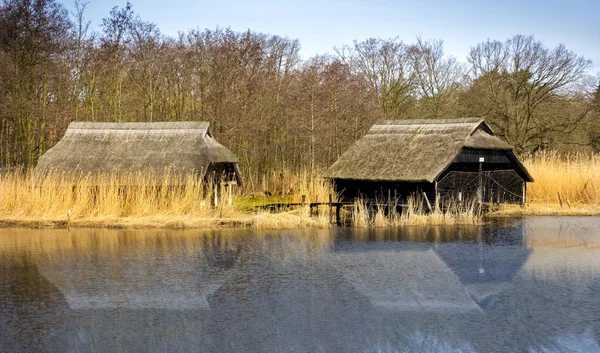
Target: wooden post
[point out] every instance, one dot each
(330, 209)
(303, 200)
(221, 192)
(338, 219)
(560, 200)
(524, 193)
(229, 195)
(480, 187)
(427, 201)
(436, 195)
(389, 202)
(216, 191)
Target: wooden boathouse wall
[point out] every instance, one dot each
(467, 161)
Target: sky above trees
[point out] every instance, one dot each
(322, 25)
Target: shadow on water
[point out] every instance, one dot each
(521, 285)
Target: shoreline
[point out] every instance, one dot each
(543, 209)
(264, 220)
(283, 220)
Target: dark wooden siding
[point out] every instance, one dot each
(466, 161)
(469, 155)
(378, 190)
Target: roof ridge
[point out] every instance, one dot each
(470, 120)
(155, 125)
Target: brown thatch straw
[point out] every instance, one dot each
(414, 150)
(101, 148)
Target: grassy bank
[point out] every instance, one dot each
(140, 201)
(575, 176)
(414, 214)
(137, 200)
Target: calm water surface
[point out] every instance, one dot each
(527, 285)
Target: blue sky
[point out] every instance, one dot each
(321, 25)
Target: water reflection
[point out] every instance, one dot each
(529, 285)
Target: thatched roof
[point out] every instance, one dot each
(414, 150)
(150, 147)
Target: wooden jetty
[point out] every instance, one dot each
(333, 207)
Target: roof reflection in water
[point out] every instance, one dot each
(408, 278)
(170, 282)
(454, 269)
(121, 270)
(526, 286)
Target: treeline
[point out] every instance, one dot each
(273, 108)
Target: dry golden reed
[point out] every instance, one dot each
(415, 214)
(180, 201)
(139, 200)
(576, 176)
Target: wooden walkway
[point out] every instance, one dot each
(333, 206)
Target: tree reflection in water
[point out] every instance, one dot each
(339, 290)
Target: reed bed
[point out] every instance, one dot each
(576, 176)
(415, 214)
(138, 200)
(183, 201)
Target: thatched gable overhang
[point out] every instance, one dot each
(416, 150)
(155, 148)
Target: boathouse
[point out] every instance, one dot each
(156, 148)
(448, 159)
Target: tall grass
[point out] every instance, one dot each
(576, 176)
(414, 214)
(289, 185)
(110, 195)
(360, 214)
(135, 199)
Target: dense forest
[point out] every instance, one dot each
(275, 109)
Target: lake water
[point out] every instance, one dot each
(524, 285)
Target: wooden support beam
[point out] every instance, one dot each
(330, 209)
(229, 194)
(560, 200)
(436, 195)
(216, 194)
(480, 187)
(427, 201)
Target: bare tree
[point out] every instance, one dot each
(116, 36)
(277, 112)
(385, 65)
(437, 79)
(80, 54)
(32, 34)
(145, 72)
(517, 83)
